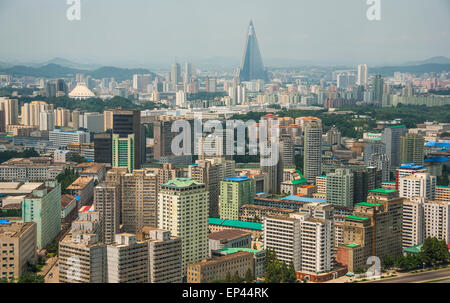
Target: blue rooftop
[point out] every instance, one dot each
(302, 199)
(411, 166)
(437, 144)
(437, 159)
(5, 222)
(237, 179)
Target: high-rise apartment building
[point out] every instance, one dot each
(107, 203)
(139, 200)
(164, 253)
(235, 192)
(312, 149)
(82, 257)
(281, 235)
(10, 108)
(392, 138)
(377, 88)
(412, 149)
(43, 206)
(183, 210)
(127, 260)
(340, 187)
(437, 220)
(418, 185)
(62, 117)
(365, 180)
(413, 226)
(362, 75)
(272, 165)
(375, 229)
(210, 173)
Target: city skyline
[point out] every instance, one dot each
(343, 35)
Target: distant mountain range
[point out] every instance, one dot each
(412, 69)
(53, 70)
(60, 68)
(432, 60)
(68, 63)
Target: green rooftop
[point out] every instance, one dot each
(236, 223)
(229, 251)
(182, 182)
(382, 191)
(368, 204)
(351, 245)
(413, 249)
(389, 182)
(356, 218)
(396, 126)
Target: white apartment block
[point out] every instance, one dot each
(418, 185)
(31, 169)
(437, 223)
(282, 236)
(61, 138)
(413, 226)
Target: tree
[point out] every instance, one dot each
(31, 278)
(388, 261)
(66, 178)
(434, 251)
(236, 278)
(76, 158)
(52, 248)
(248, 276)
(228, 278)
(290, 276)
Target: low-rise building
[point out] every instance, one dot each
(209, 270)
(256, 213)
(83, 187)
(258, 255)
(229, 239)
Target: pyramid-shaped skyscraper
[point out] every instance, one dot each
(252, 67)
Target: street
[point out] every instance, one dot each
(420, 277)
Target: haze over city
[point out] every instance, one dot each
(155, 33)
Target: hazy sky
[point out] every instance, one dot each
(146, 32)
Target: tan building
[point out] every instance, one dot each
(442, 193)
(210, 173)
(139, 200)
(164, 253)
(82, 187)
(211, 270)
(376, 226)
(229, 239)
(321, 184)
(167, 173)
(82, 257)
(21, 130)
(127, 260)
(256, 213)
(17, 247)
(107, 202)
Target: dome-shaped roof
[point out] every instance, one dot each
(81, 91)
